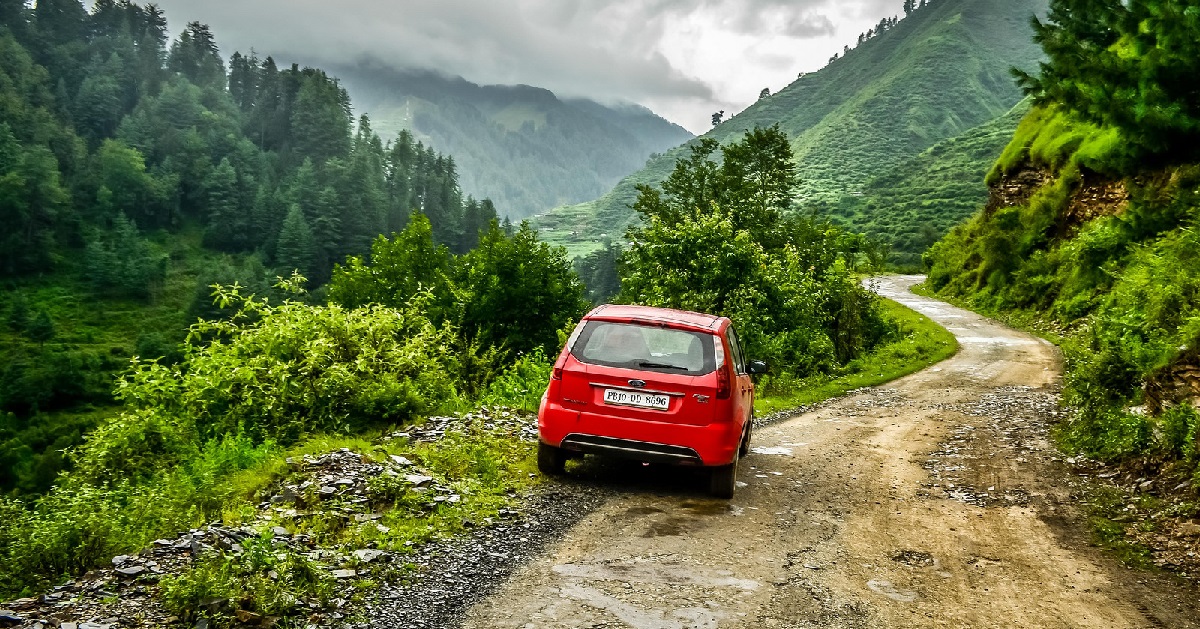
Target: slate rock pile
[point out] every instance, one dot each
(520, 425)
(123, 595)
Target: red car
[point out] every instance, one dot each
(653, 385)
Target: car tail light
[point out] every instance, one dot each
(556, 374)
(724, 383)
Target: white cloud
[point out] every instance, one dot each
(683, 58)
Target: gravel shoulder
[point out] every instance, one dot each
(936, 500)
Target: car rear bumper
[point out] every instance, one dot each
(662, 442)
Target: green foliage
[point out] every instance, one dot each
(296, 251)
(714, 241)
(263, 580)
(288, 370)
(121, 264)
(520, 291)
(598, 272)
(511, 293)
(522, 384)
(912, 205)
(1119, 277)
(80, 525)
(914, 343)
(1125, 66)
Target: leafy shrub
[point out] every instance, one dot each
(287, 370)
(264, 580)
(512, 292)
(522, 384)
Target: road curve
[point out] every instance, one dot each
(933, 501)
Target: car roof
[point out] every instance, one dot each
(658, 315)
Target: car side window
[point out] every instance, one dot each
(735, 347)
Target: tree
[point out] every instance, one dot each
(598, 271)
(716, 117)
(18, 313)
(766, 91)
(400, 268)
(99, 106)
(320, 119)
(41, 328)
(1128, 65)
(787, 282)
(909, 6)
(228, 224)
(125, 186)
(119, 263)
(295, 250)
(521, 291)
(32, 199)
(195, 56)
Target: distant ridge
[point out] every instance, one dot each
(936, 74)
(522, 146)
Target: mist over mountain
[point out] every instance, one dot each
(522, 146)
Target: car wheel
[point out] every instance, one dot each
(723, 480)
(745, 447)
(551, 460)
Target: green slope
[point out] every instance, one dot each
(523, 147)
(915, 203)
(936, 74)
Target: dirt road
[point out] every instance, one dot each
(934, 501)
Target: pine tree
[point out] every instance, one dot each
(295, 250)
(41, 328)
(18, 313)
(227, 223)
(196, 57)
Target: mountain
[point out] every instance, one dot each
(913, 204)
(524, 147)
(939, 72)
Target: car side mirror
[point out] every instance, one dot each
(757, 368)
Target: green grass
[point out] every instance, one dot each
(922, 343)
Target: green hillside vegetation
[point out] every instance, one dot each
(914, 204)
(937, 73)
(524, 147)
(1095, 236)
(135, 174)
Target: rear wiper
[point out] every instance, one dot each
(649, 365)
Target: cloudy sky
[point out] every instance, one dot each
(684, 59)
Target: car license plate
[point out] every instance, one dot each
(619, 397)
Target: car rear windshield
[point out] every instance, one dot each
(645, 347)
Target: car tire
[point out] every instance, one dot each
(745, 447)
(551, 460)
(723, 480)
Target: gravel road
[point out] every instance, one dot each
(933, 501)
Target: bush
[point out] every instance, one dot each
(511, 293)
(283, 371)
(522, 384)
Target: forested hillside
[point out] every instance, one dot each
(136, 172)
(913, 204)
(522, 146)
(1090, 234)
(908, 84)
